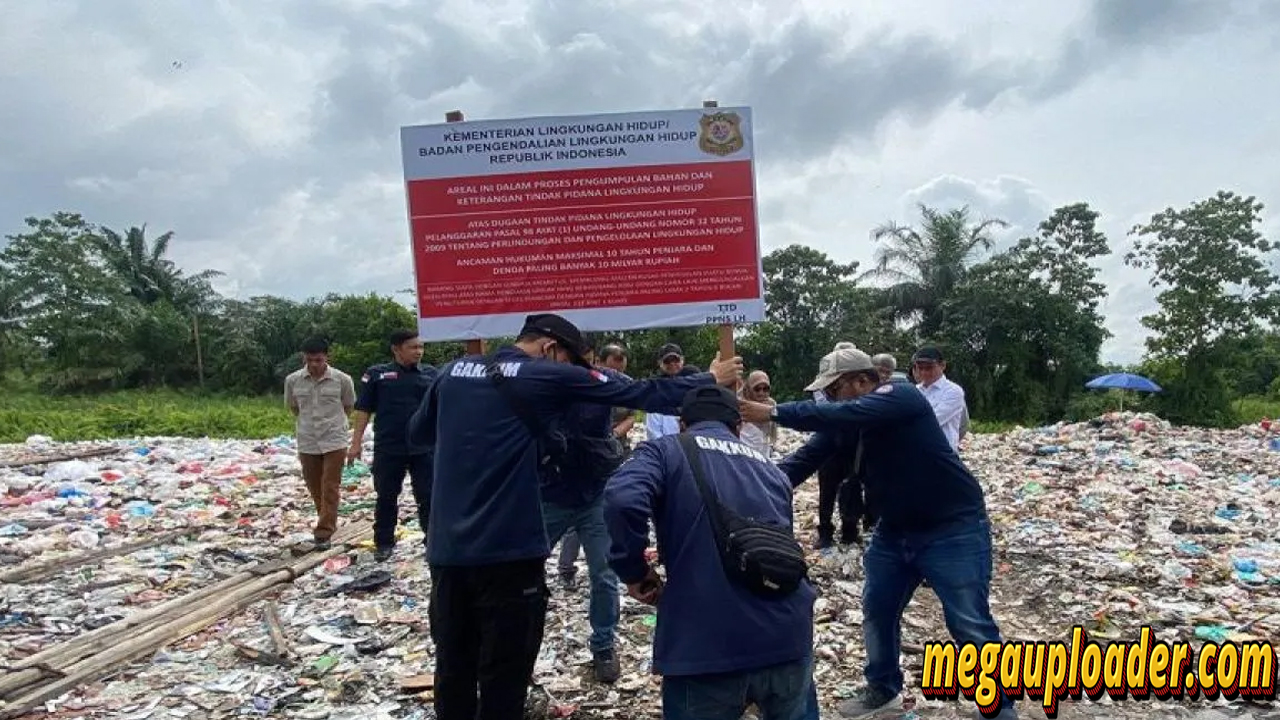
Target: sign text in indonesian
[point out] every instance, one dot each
(622, 221)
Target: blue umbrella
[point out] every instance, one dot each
(1123, 381)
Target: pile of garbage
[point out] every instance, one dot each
(1113, 524)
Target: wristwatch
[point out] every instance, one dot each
(773, 413)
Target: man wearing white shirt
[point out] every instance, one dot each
(946, 397)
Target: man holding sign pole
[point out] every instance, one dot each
(493, 423)
(615, 221)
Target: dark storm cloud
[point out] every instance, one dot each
(1124, 21)
(197, 167)
(1113, 30)
(812, 91)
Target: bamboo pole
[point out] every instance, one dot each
(474, 347)
(29, 670)
(95, 666)
(79, 455)
(276, 629)
(101, 663)
(726, 330)
(28, 573)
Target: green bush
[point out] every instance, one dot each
(134, 413)
(1089, 405)
(1194, 391)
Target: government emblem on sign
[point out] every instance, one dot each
(721, 134)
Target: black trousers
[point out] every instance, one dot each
(388, 480)
(487, 625)
(837, 490)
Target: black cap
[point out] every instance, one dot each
(560, 330)
(710, 403)
(927, 354)
(668, 350)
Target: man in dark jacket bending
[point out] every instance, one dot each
(717, 646)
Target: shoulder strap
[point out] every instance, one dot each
(857, 456)
(693, 455)
(517, 403)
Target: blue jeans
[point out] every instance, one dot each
(956, 562)
(570, 549)
(587, 522)
(782, 692)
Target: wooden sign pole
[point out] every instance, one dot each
(726, 330)
(474, 347)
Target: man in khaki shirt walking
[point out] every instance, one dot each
(321, 398)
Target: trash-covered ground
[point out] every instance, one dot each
(1112, 524)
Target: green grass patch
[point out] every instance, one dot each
(1251, 409)
(190, 414)
(141, 413)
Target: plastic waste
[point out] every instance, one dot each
(1127, 522)
(84, 539)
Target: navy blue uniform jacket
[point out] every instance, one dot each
(706, 622)
(392, 393)
(911, 476)
(486, 504)
(585, 420)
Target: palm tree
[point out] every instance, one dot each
(923, 267)
(151, 277)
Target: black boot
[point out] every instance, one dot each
(605, 665)
(849, 534)
(826, 536)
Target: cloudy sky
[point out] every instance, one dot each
(266, 134)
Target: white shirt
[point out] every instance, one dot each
(656, 426)
(753, 436)
(947, 399)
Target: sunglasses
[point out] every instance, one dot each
(761, 388)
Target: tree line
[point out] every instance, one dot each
(85, 308)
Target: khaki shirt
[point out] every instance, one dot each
(321, 407)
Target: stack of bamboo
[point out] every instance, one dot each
(42, 569)
(52, 672)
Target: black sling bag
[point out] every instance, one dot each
(559, 454)
(762, 557)
(552, 446)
